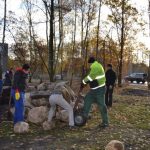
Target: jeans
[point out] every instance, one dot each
(19, 106)
(57, 99)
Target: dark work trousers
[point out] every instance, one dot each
(108, 96)
(96, 96)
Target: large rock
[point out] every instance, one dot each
(51, 86)
(48, 125)
(63, 83)
(62, 115)
(38, 114)
(31, 88)
(27, 102)
(40, 102)
(40, 94)
(114, 145)
(21, 127)
(42, 87)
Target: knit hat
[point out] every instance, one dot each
(109, 65)
(91, 59)
(25, 67)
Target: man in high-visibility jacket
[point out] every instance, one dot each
(96, 80)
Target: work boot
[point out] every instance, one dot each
(72, 128)
(103, 126)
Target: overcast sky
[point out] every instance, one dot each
(15, 5)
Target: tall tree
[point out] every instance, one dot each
(51, 46)
(74, 42)
(122, 15)
(4, 27)
(50, 14)
(98, 27)
(3, 38)
(31, 44)
(149, 51)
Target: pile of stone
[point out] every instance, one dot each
(37, 105)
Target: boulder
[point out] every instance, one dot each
(26, 112)
(114, 145)
(42, 87)
(40, 94)
(27, 102)
(62, 115)
(63, 83)
(48, 125)
(21, 127)
(51, 86)
(31, 88)
(38, 114)
(40, 102)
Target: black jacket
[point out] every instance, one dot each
(8, 78)
(19, 81)
(110, 77)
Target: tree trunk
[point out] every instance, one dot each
(149, 74)
(4, 27)
(51, 50)
(74, 44)
(98, 29)
(121, 46)
(3, 39)
(104, 54)
(86, 38)
(149, 53)
(0, 67)
(82, 45)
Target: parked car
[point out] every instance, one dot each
(138, 77)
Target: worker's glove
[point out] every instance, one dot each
(81, 87)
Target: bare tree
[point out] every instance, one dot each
(121, 43)
(149, 51)
(50, 14)
(32, 49)
(98, 27)
(74, 42)
(123, 15)
(3, 38)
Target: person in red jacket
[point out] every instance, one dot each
(19, 84)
